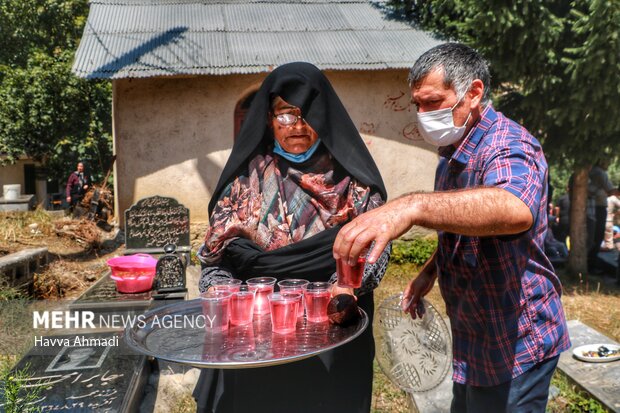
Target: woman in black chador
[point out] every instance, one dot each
(298, 172)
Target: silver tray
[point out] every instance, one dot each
(254, 345)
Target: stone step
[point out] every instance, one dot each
(18, 267)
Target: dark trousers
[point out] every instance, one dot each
(561, 232)
(598, 235)
(527, 393)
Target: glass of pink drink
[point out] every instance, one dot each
(226, 284)
(284, 311)
(294, 285)
(242, 306)
(216, 310)
(317, 296)
(351, 276)
(263, 286)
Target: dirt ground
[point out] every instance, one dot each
(78, 250)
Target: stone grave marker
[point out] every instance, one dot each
(154, 222)
(601, 380)
(97, 373)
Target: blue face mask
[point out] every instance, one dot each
(299, 158)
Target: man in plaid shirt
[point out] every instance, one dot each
(489, 208)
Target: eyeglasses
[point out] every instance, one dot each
(288, 119)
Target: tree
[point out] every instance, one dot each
(46, 112)
(556, 69)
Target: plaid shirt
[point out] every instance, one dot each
(501, 293)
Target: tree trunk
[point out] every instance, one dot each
(578, 257)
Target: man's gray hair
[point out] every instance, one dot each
(461, 65)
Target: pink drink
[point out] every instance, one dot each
(226, 284)
(284, 312)
(261, 303)
(263, 287)
(350, 276)
(294, 285)
(241, 307)
(301, 307)
(216, 310)
(316, 305)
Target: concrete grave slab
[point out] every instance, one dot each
(86, 376)
(601, 380)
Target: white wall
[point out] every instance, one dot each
(14, 174)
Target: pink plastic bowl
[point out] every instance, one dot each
(133, 273)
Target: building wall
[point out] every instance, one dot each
(14, 174)
(172, 136)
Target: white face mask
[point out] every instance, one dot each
(437, 127)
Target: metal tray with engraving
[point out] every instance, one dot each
(174, 333)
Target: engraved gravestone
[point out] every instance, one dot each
(153, 222)
(94, 372)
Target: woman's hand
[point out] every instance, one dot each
(342, 290)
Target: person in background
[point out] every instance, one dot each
(490, 212)
(77, 185)
(561, 229)
(599, 188)
(556, 251)
(613, 210)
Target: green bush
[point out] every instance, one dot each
(416, 251)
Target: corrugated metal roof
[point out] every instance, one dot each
(142, 38)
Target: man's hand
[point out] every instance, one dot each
(85, 187)
(69, 199)
(418, 288)
(477, 212)
(381, 225)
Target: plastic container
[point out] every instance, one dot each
(133, 273)
(11, 192)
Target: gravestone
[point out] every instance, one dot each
(98, 373)
(103, 297)
(154, 222)
(601, 380)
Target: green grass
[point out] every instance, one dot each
(416, 251)
(14, 395)
(571, 398)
